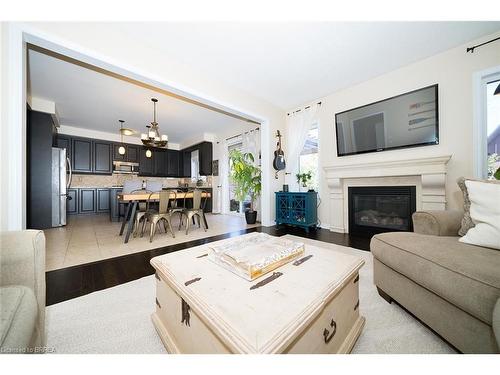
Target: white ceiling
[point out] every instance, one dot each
(286, 64)
(88, 99)
(289, 64)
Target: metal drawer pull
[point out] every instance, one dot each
(326, 333)
(356, 279)
(157, 277)
(302, 260)
(356, 305)
(158, 303)
(274, 276)
(201, 256)
(189, 282)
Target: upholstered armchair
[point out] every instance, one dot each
(22, 291)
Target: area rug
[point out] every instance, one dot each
(117, 320)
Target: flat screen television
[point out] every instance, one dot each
(406, 120)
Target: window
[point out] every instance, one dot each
(308, 159)
(236, 206)
(493, 128)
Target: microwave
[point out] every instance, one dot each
(123, 167)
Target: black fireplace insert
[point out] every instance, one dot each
(377, 209)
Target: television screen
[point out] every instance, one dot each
(406, 120)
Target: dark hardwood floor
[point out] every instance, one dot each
(67, 283)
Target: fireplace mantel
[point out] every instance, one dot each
(428, 173)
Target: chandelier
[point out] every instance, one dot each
(153, 137)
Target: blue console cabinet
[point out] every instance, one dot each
(299, 209)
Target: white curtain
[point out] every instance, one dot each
(223, 192)
(251, 144)
(297, 126)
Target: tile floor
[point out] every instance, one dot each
(89, 238)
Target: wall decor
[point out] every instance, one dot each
(215, 167)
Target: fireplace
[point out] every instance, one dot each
(377, 209)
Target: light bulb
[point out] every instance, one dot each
(151, 134)
(121, 150)
(164, 137)
(144, 136)
(148, 153)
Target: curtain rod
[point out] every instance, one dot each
(298, 110)
(239, 135)
(471, 49)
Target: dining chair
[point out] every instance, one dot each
(142, 209)
(153, 185)
(162, 215)
(197, 211)
(129, 186)
(177, 207)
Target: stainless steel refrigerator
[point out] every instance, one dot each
(61, 180)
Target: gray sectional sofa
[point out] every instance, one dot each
(450, 286)
(22, 292)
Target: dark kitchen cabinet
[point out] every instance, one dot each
(173, 163)
(72, 202)
(206, 156)
(186, 164)
(159, 161)
(102, 198)
(116, 153)
(87, 201)
(81, 155)
(40, 135)
(116, 209)
(64, 141)
(131, 153)
(102, 157)
(146, 165)
(94, 156)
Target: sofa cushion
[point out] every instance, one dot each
(18, 318)
(465, 275)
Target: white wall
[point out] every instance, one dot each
(104, 45)
(453, 71)
(3, 172)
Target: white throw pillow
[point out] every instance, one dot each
(485, 213)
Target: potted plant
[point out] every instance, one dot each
(247, 180)
(303, 178)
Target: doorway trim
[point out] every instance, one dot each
(16, 36)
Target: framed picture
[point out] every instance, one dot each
(215, 167)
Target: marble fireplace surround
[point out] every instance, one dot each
(428, 175)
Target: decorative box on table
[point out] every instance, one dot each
(298, 209)
(312, 306)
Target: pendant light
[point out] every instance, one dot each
(153, 137)
(148, 153)
(121, 149)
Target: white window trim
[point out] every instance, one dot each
(479, 135)
(315, 125)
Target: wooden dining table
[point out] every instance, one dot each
(133, 199)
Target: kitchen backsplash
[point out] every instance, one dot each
(118, 180)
